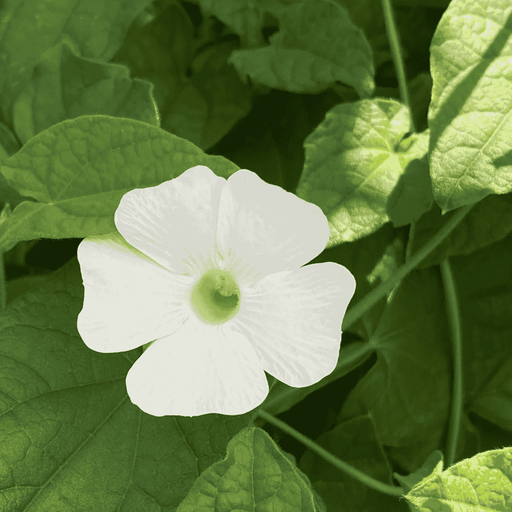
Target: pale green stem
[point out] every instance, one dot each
(376, 294)
(329, 457)
(396, 52)
(452, 305)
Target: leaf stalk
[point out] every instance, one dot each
(329, 457)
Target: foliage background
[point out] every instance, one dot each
(69, 437)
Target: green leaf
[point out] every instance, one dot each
(317, 45)
(407, 391)
(484, 285)
(367, 15)
(160, 48)
(243, 17)
(71, 438)
(211, 102)
(494, 401)
(9, 144)
(487, 222)
(354, 160)
(66, 86)
(469, 116)
(483, 482)
(275, 7)
(199, 99)
(20, 285)
(255, 470)
(78, 170)
(96, 27)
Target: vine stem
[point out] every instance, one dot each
(452, 305)
(396, 52)
(376, 294)
(329, 457)
(398, 60)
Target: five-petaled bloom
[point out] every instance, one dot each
(211, 272)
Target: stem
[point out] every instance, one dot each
(376, 294)
(452, 306)
(329, 457)
(394, 44)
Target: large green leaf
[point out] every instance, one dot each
(484, 284)
(65, 86)
(407, 390)
(254, 471)
(317, 45)
(483, 281)
(30, 27)
(481, 483)
(354, 160)
(78, 170)
(470, 111)
(71, 440)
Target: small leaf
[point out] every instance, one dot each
(255, 469)
(483, 482)
(66, 86)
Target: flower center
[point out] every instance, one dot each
(216, 297)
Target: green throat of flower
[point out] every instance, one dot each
(216, 297)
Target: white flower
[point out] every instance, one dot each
(211, 271)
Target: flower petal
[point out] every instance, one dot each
(198, 370)
(174, 223)
(263, 229)
(129, 299)
(293, 321)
